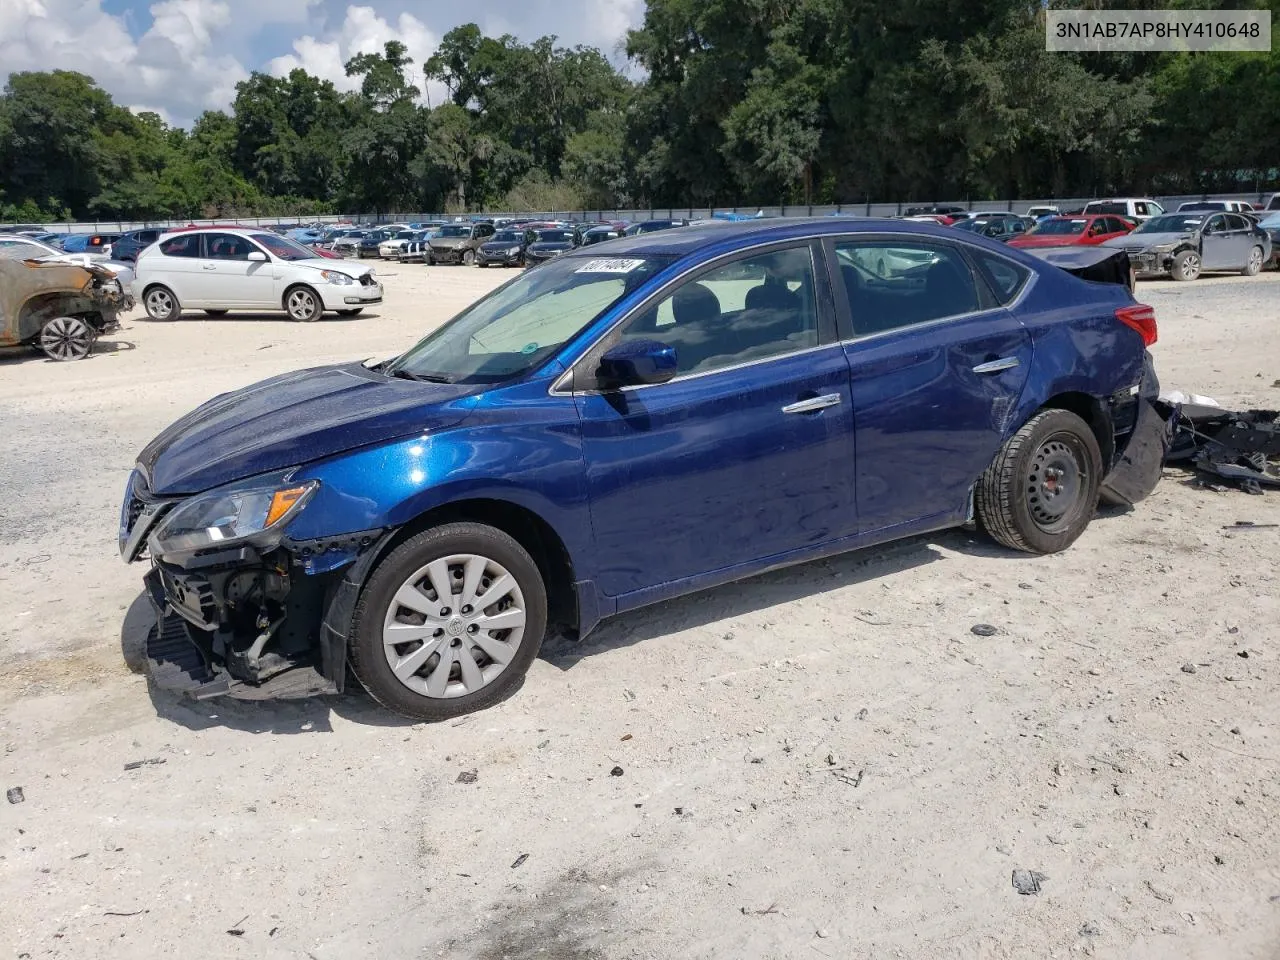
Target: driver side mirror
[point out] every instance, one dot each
(256, 256)
(637, 362)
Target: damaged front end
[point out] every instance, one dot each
(240, 608)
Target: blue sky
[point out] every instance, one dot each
(180, 57)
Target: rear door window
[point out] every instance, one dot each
(1005, 277)
(892, 284)
(183, 245)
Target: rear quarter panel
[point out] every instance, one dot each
(1078, 344)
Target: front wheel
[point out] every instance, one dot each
(448, 622)
(1186, 265)
(303, 304)
(1042, 489)
(67, 338)
(1254, 265)
(161, 304)
(468, 258)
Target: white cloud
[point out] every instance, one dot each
(363, 31)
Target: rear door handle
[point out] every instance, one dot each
(209, 266)
(813, 404)
(995, 366)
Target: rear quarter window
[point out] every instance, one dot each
(1005, 277)
(184, 245)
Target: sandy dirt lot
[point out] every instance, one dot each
(821, 762)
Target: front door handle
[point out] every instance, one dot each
(209, 266)
(995, 366)
(813, 404)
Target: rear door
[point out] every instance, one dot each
(748, 452)
(176, 264)
(1240, 230)
(937, 362)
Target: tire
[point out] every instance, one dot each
(161, 304)
(468, 257)
(426, 693)
(430, 261)
(1254, 266)
(350, 313)
(1186, 265)
(482, 265)
(1017, 499)
(216, 313)
(303, 304)
(67, 338)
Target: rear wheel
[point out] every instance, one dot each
(216, 313)
(303, 304)
(161, 304)
(1186, 265)
(1041, 490)
(449, 622)
(1254, 265)
(67, 338)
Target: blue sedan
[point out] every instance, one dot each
(629, 423)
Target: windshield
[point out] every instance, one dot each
(1203, 205)
(1059, 226)
(405, 235)
(284, 248)
(1271, 221)
(524, 322)
(1172, 223)
(507, 236)
(1119, 208)
(454, 231)
(555, 236)
(976, 225)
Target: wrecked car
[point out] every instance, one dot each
(58, 308)
(609, 431)
(1184, 245)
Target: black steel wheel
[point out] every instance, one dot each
(1042, 489)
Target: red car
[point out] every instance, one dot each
(1086, 230)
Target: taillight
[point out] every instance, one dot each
(1142, 318)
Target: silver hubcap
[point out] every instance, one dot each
(1255, 260)
(66, 338)
(453, 626)
(301, 304)
(1191, 266)
(159, 303)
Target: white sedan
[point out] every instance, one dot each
(218, 270)
(390, 249)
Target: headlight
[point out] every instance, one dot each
(1163, 247)
(512, 251)
(232, 515)
(336, 276)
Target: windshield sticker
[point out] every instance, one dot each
(609, 266)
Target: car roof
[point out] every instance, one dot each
(728, 235)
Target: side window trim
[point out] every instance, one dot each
(580, 378)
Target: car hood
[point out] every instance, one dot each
(353, 270)
(293, 419)
(1144, 241)
(548, 246)
(499, 246)
(448, 243)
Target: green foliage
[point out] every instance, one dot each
(747, 102)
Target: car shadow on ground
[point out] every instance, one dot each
(274, 316)
(729, 602)
(12, 356)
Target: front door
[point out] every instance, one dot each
(937, 363)
(1216, 244)
(747, 453)
(231, 279)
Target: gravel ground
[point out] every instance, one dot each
(821, 762)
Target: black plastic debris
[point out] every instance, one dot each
(14, 795)
(615, 772)
(468, 776)
(136, 764)
(1027, 882)
(519, 860)
(984, 630)
(1239, 446)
